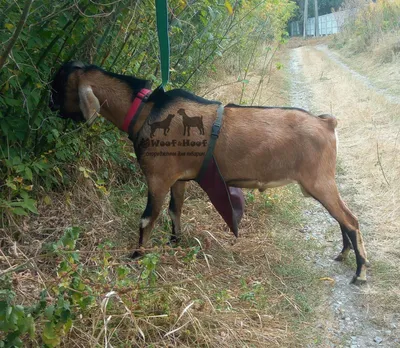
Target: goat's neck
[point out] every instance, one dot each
(114, 102)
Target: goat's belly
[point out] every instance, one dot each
(253, 184)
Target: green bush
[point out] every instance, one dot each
(369, 24)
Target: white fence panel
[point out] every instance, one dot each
(330, 23)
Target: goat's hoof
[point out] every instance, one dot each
(135, 255)
(340, 257)
(174, 240)
(358, 280)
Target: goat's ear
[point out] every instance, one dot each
(88, 103)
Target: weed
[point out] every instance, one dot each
(368, 26)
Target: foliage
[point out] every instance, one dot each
(58, 305)
(15, 320)
(69, 295)
(369, 24)
(324, 7)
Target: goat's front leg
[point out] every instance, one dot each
(157, 190)
(175, 209)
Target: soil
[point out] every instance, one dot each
(352, 316)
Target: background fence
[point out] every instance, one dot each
(330, 23)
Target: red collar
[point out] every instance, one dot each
(135, 108)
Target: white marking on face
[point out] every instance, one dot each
(88, 103)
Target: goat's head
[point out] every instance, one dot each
(181, 112)
(70, 96)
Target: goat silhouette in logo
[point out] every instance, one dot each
(196, 121)
(162, 125)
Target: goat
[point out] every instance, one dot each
(188, 122)
(162, 125)
(258, 147)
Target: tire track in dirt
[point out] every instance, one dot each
(345, 320)
(334, 57)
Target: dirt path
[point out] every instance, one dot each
(368, 174)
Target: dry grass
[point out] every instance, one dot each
(380, 64)
(369, 25)
(197, 303)
(295, 42)
(266, 83)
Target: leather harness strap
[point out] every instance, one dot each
(134, 114)
(135, 109)
(213, 139)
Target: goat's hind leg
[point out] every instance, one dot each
(175, 209)
(327, 194)
(346, 245)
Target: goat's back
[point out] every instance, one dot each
(274, 143)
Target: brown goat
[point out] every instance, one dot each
(258, 147)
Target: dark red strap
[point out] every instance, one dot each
(133, 110)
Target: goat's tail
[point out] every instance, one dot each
(330, 120)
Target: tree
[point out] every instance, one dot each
(305, 18)
(316, 18)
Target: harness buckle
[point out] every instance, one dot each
(215, 130)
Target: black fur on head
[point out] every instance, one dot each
(58, 89)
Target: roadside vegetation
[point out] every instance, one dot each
(371, 25)
(369, 41)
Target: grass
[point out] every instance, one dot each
(212, 291)
(369, 26)
(297, 280)
(369, 42)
